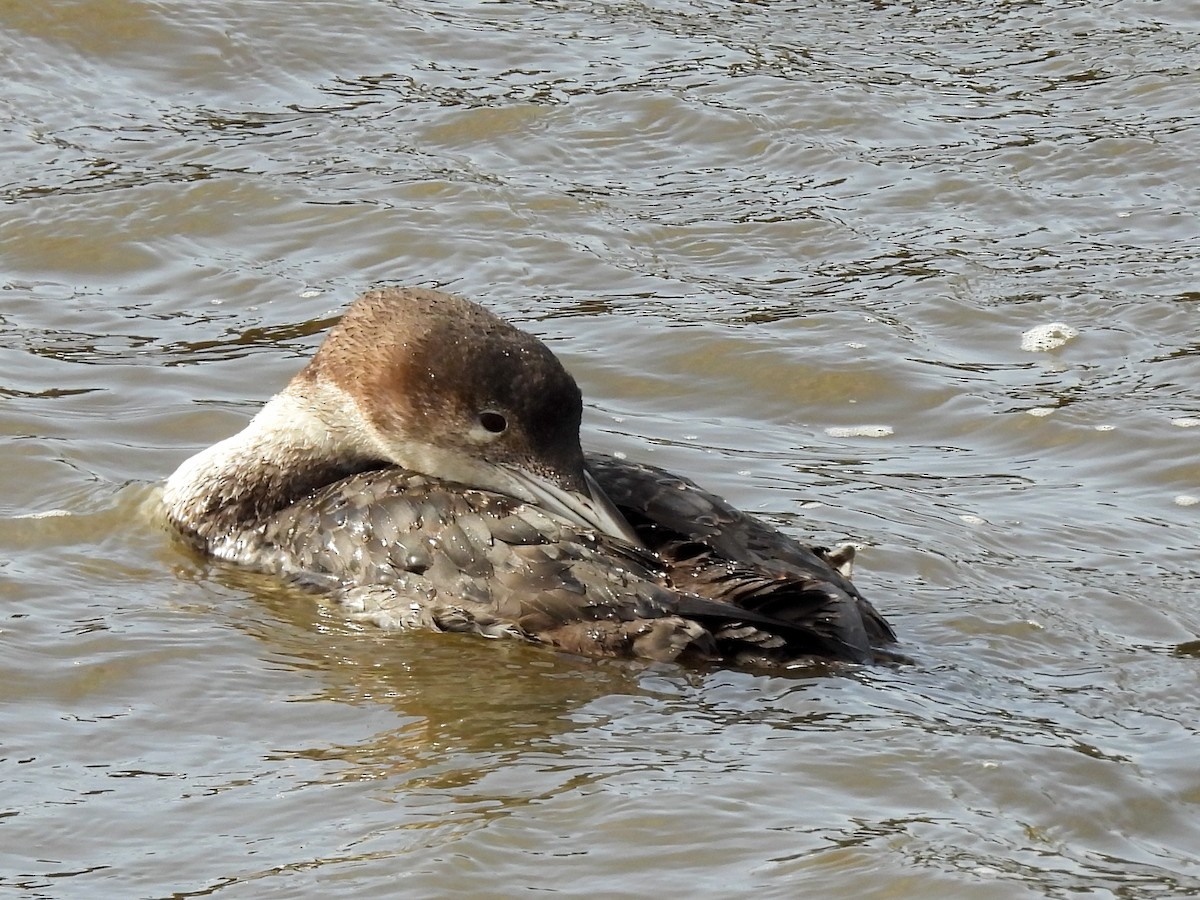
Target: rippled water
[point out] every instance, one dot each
(791, 250)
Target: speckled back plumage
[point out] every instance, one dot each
(401, 550)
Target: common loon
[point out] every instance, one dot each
(425, 469)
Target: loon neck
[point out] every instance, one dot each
(286, 452)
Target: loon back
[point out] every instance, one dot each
(401, 550)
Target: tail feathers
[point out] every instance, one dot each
(779, 616)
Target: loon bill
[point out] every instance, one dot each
(425, 469)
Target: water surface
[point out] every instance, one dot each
(790, 250)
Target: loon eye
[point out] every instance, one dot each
(493, 421)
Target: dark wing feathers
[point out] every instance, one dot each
(715, 551)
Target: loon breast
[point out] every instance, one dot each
(422, 491)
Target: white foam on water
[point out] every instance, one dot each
(859, 431)
(1050, 336)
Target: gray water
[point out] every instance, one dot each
(789, 250)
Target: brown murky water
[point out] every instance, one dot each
(791, 250)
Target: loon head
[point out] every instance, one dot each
(438, 385)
